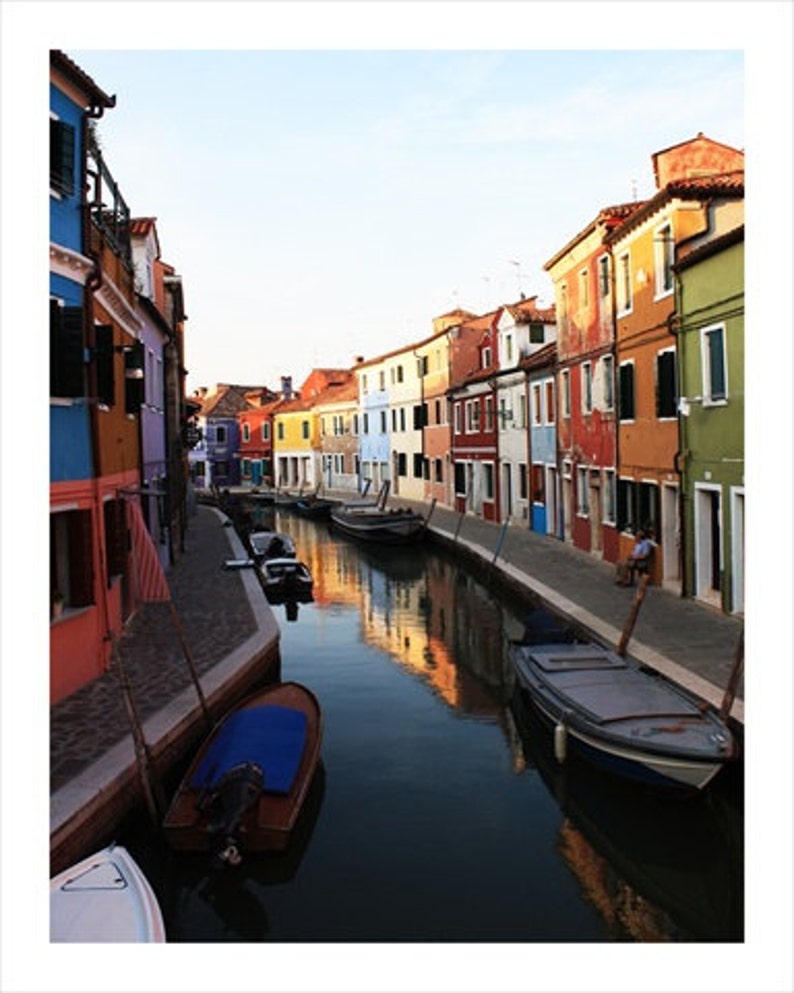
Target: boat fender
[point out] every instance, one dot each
(560, 742)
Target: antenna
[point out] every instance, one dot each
(518, 276)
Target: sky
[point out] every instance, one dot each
(326, 204)
(327, 178)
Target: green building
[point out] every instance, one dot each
(710, 329)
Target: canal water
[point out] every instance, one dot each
(439, 813)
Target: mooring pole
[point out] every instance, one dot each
(152, 789)
(733, 681)
(632, 618)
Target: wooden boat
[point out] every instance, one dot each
(621, 717)
(283, 577)
(105, 897)
(397, 526)
(270, 545)
(315, 507)
(245, 787)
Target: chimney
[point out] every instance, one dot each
(286, 387)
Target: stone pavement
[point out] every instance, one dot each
(690, 643)
(215, 617)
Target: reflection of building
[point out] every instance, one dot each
(623, 909)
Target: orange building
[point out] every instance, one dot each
(700, 189)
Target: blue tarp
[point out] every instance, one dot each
(271, 736)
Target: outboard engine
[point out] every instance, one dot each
(226, 804)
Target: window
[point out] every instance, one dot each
(489, 413)
(421, 366)
(418, 465)
(103, 353)
(245, 468)
(402, 464)
(563, 306)
(536, 334)
(456, 418)
(382, 379)
(438, 412)
(115, 520)
(521, 410)
(587, 388)
(134, 379)
(626, 508)
(609, 496)
(582, 492)
(460, 478)
(566, 393)
(62, 157)
(420, 416)
(402, 418)
(71, 561)
(665, 384)
(715, 372)
(648, 507)
(608, 381)
(522, 481)
(536, 407)
(438, 470)
(220, 434)
(265, 430)
(384, 423)
(280, 430)
(399, 373)
(366, 423)
(550, 401)
(664, 250)
(603, 277)
(509, 349)
(626, 395)
(66, 351)
(486, 357)
(394, 419)
(487, 474)
(584, 297)
(624, 283)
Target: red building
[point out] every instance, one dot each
(586, 391)
(475, 450)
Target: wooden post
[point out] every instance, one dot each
(460, 521)
(152, 788)
(733, 681)
(632, 618)
(191, 665)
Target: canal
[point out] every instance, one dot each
(440, 813)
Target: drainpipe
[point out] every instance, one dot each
(673, 324)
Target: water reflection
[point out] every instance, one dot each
(441, 813)
(656, 868)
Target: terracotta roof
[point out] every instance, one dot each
(607, 218)
(338, 393)
(526, 312)
(61, 61)
(141, 226)
(543, 356)
(728, 185)
(227, 401)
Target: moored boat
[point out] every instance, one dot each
(628, 721)
(285, 576)
(315, 507)
(105, 897)
(244, 789)
(270, 545)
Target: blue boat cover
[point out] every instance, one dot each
(271, 736)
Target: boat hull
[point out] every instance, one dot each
(393, 527)
(103, 898)
(268, 824)
(621, 718)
